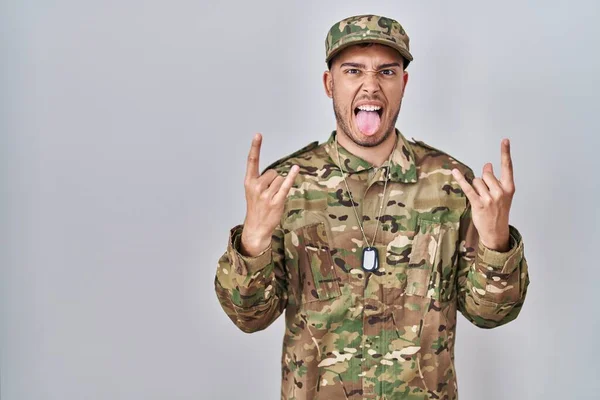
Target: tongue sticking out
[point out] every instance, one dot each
(368, 122)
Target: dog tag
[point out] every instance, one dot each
(370, 259)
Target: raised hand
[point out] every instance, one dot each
(265, 201)
(490, 200)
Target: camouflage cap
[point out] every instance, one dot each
(367, 28)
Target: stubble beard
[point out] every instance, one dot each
(344, 126)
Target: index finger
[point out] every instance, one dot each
(253, 157)
(507, 167)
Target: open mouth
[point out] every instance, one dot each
(368, 118)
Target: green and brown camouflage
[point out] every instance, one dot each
(386, 334)
(367, 29)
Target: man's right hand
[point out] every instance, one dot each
(265, 201)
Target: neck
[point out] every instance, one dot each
(375, 155)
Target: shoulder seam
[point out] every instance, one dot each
(303, 150)
(422, 143)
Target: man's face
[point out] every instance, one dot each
(366, 84)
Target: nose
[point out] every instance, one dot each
(370, 82)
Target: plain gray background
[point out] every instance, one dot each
(125, 129)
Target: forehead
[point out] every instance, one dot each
(375, 53)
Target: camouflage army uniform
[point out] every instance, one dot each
(387, 334)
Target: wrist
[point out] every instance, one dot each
(253, 245)
(499, 243)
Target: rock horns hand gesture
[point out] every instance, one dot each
(490, 200)
(265, 201)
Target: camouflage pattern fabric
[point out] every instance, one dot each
(387, 334)
(367, 28)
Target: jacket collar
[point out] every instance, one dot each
(402, 165)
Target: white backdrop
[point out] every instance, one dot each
(125, 128)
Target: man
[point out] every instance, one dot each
(370, 243)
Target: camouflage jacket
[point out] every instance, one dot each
(387, 334)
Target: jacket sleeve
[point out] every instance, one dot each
(491, 285)
(252, 290)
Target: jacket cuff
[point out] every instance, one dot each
(503, 262)
(246, 265)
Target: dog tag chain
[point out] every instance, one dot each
(370, 255)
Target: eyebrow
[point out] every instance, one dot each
(383, 66)
(358, 65)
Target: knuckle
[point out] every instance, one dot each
(269, 175)
(256, 189)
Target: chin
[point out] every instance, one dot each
(370, 140)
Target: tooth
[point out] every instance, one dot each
(369, 108)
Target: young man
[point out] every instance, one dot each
(370, 243)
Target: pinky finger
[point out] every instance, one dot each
(466, 187)
(287, 184)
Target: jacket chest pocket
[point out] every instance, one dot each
(423, 269)
(318, 277)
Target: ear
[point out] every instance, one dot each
(327, 83)
(405, 79)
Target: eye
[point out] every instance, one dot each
(388, 72)
(353, 71)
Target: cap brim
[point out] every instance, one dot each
(403, 52)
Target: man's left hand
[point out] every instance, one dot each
(490, 200)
